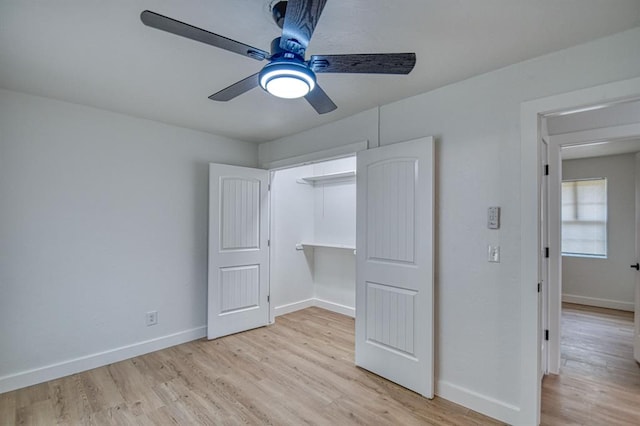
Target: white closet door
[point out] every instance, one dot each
(394, 265)
(238, 250)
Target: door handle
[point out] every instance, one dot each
(637, 266)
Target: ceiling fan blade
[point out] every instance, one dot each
(300, 20)
(320, 101)
(367, 63)
(173, 26)
(236, 89)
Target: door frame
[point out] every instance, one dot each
(531, 113)
(556, 144)
(636, 316)
(543, 303)
(341, 151)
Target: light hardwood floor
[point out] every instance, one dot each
(298, 371)
(599, 381)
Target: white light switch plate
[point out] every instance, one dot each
(493, 253)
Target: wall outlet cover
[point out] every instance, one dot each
(151, 318)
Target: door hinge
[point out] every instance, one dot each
(268, 298)
(269, 243)
(546, 252)
(546, 335)
(539, 287)
(546, 170)
(269, 187)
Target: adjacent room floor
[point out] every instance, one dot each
(599, 381)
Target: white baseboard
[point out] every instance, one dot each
(601, 303)
(292, 307)
(335, 307)
(88, 362)
(486, 405)
(307, 303)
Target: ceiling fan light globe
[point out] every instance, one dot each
(287, 87)
(287, 80)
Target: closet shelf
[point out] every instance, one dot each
(301, 246)
(328, 177)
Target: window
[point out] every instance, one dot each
(584, 217)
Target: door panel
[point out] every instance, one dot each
(239, 288)
(394, 278)
(390, 317)
(238, 250)
(240, 207)
(390, 211)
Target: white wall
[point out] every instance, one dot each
(477, 126)
(103, 217)
(292, 210)
(335, 204)
(357, 128)
(334, 279)
(606, 282)
(334, 272)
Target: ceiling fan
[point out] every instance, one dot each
(288, 74)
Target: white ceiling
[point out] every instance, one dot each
(601, 149)
(98, 53)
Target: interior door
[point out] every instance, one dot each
(394, 263)
(636, 332)
(238, 288)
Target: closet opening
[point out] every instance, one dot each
(313, 237)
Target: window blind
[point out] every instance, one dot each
(584, 217)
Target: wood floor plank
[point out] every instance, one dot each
(8, 408)
(134, 388)
(70, 402)
(31, 395)
(190, 407)
(98, 387)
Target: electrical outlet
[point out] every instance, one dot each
(152, 318)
